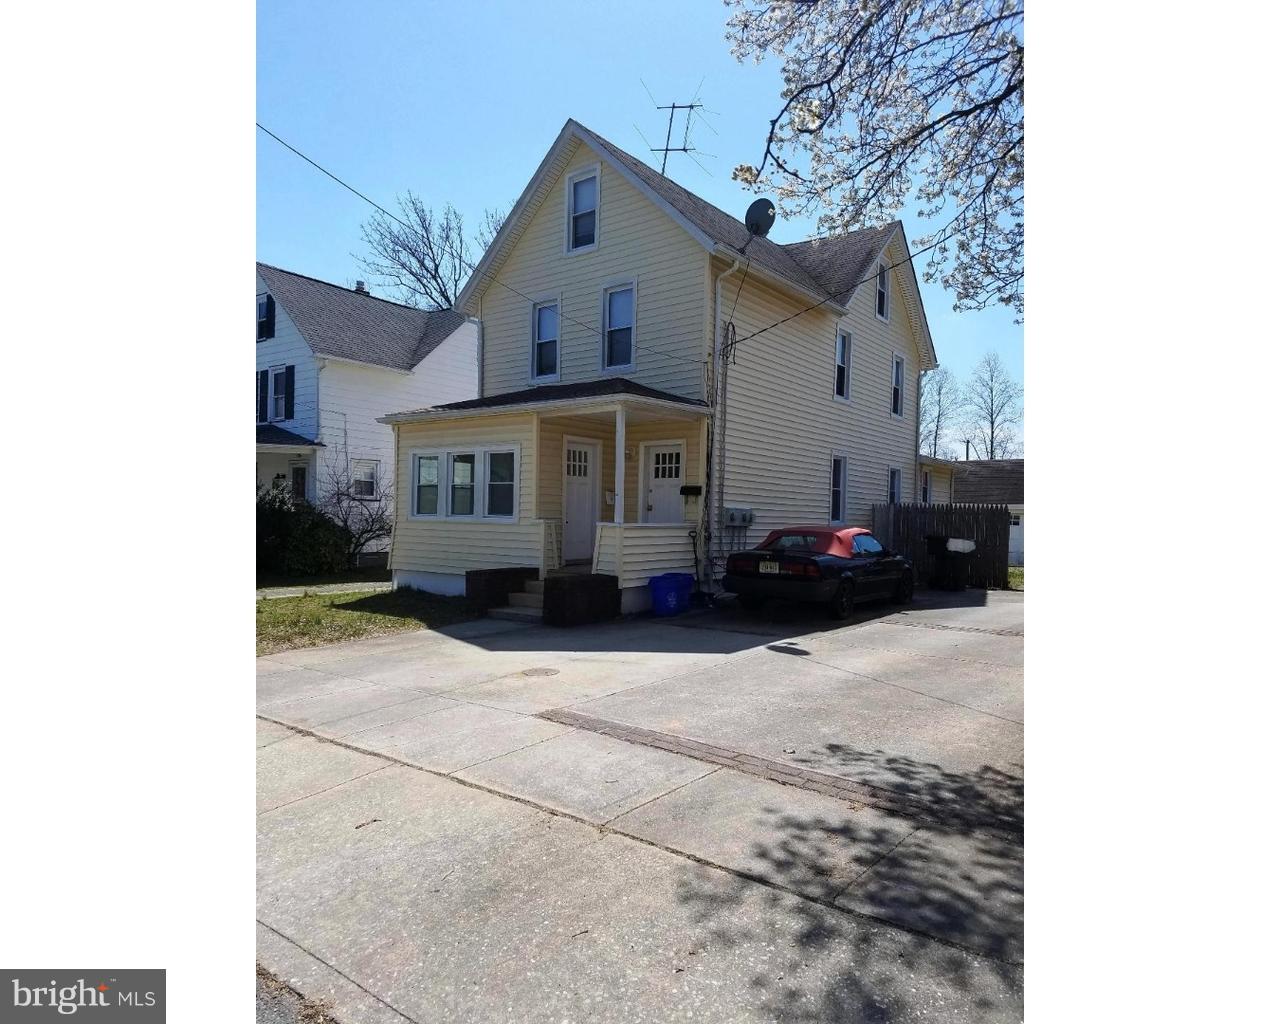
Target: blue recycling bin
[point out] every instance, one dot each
(670, 592)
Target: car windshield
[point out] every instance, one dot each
(796, 542)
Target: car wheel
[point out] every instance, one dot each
(842, 604)
(906, 588)
(750, 602)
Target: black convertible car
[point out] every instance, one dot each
(836, 566)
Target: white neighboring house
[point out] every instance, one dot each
(330, 361)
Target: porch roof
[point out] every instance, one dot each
(271, 436)
(570, 397)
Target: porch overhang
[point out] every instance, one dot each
(276, 439)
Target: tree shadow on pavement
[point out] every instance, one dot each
(883, 887)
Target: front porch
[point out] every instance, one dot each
(285, 459)
(610, 484)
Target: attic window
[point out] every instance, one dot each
(266, 317)
(882, 292)
(584, 202)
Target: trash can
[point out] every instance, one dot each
(951, 558)
(670, 592)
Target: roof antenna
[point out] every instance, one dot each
(666, 149)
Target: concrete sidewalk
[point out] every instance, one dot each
(445, 840)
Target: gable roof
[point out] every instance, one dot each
(339, 322)
(824, 269)
(988, 482)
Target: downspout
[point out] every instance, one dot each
(714, 497)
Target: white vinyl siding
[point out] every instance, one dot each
(636, 242)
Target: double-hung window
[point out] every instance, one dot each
(838, 464)
(266, 317)
(426, 485)
(882, 292)
(364, 478)
(546, 341)
(584, 203)
(844, 362)
(895, 486)
(278, 388)
(619, 327)
(481, 483)
(896, 391)
(924, 486)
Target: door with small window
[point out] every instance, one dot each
(581, 493)
(664, 476)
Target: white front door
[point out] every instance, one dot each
(581, 490)
(664, 476)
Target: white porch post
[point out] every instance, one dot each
(619, 460)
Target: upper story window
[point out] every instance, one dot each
(279, 392)
(619, 327)
(546, 341)
(895, 486)
(837, 488)
(844, 362)
(897, 392)
(266, 317)
(275, 394)
(364, 478)
(882, 292)
(584, 204)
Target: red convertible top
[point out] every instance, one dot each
(828, 540)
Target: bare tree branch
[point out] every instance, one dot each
(367, 517)
(993, 402)
(940, 408)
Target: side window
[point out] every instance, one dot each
(619, 327)
(844, 362)
(266, 317)
(895, 486)
(837, 488)
(278, 392)
(865, 544)
(882, 292)
(364, 478)
(897, 388)
(546, 341)
(924, 486)
(500, 484)
(584, 201)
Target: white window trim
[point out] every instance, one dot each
(538, 302)
(844, 488)
(615, 285)
(445, 501)
(888, 291)
(894, 359)
(889, 486)
(376, 468)
(271, 395)
(848, 367)
(582, 172)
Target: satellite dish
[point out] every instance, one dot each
(759, 218)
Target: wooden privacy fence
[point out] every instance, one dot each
(905, 527)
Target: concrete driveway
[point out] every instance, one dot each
(716, 818)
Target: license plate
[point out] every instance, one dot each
(768, 567)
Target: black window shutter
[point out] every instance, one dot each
(264, 395)
(288, 392)
(271, 318)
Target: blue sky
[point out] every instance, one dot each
(460, 102)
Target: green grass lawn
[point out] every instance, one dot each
(285, 623)
(350, 576)
(1015, 577)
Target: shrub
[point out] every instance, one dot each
(295, 538)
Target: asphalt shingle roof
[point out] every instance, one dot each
(560, 392)
(340, 322)
(269, 433)
(826, 266)
(988, 481)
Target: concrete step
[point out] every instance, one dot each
(515, 613)
(525, 600)
(533, 586)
